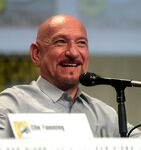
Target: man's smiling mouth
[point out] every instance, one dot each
(70, 65)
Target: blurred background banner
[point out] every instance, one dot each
(114, 27)
(114, 33)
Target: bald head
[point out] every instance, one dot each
(61, 51)
(45, 29)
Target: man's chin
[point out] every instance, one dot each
(68, 82)
(71, 81)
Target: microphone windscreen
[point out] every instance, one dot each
(85, 79)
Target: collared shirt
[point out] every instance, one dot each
(42, 97)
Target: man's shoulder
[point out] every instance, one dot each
(19, 89)
(16, 97)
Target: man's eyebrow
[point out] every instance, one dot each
(58, 36)
(83, 38)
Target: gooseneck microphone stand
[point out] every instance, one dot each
(121, 109)
(91, 79)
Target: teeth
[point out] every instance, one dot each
(69, 65)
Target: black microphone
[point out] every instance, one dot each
(91, 79)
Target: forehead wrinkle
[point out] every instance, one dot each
(67, 35)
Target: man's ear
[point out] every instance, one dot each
(35, 54)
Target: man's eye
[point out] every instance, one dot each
(82, 43)
(60, 42)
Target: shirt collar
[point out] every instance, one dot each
(50, 90)
(53, 92)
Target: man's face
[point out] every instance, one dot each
(64, 54)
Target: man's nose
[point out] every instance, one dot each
(72, 51)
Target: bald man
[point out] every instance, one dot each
(61, 52)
